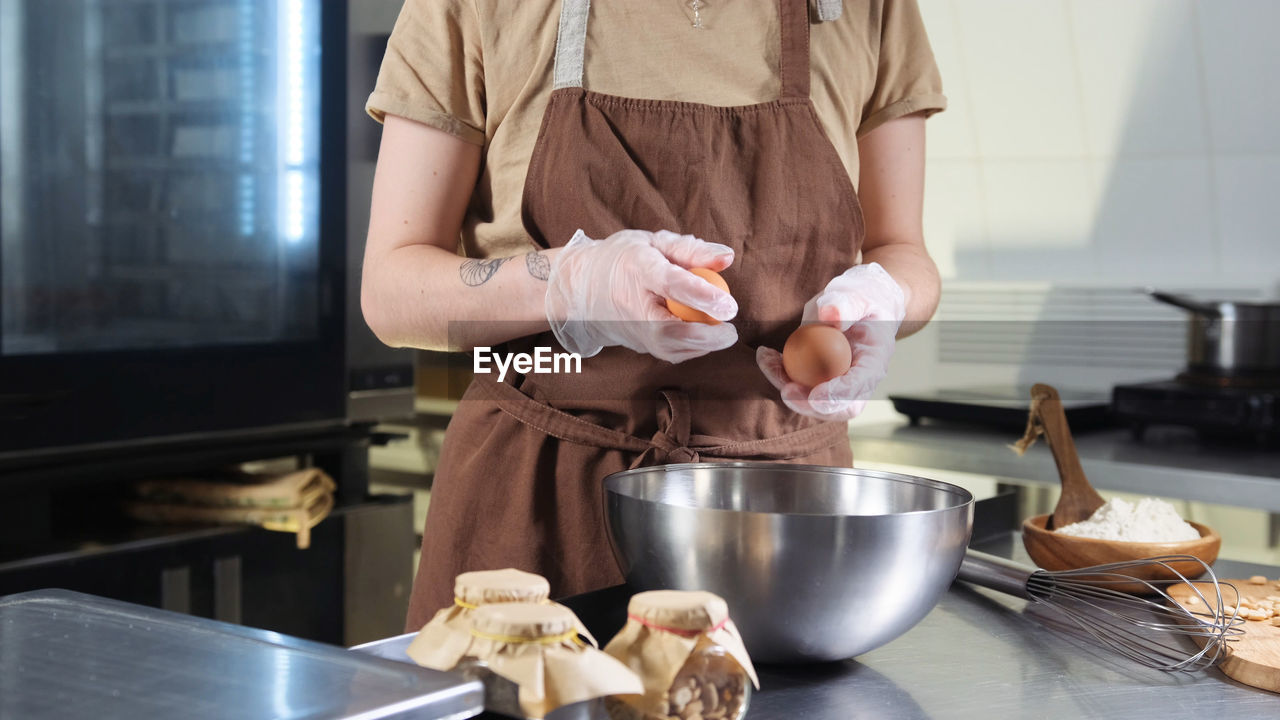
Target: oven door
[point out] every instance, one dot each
(172, 219)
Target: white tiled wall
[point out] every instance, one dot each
(1245, 194)
(1125, 141)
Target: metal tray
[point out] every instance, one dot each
(70, 655)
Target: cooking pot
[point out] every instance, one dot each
(1230, 338)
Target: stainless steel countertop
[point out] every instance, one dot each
(981, 654)
(69, 655)
(1169, 462)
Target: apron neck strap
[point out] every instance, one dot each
(794, 58)
(571, 43)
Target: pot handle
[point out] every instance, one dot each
(1184, 303)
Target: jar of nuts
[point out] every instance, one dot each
(472, 590)
(689, 655)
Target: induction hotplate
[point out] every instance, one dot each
(1241, 414)
(1002, 406)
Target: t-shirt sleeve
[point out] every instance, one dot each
(433, 72)
(907, 77)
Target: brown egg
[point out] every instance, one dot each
(816, 353)
(688, 314)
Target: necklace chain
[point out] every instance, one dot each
(697, 14)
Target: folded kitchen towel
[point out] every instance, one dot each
(292, 502)
(240, 489)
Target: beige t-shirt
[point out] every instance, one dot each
(481, 70)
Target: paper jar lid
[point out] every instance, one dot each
(509, 622)
(687, 611)
(500, 586)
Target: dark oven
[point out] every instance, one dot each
(174, 248)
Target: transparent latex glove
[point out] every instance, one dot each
(610, 292)
(868, 306)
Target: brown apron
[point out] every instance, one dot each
(519, 478)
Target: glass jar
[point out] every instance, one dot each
(472, 590)
(689, 655)
(501, 695)
(711, 685)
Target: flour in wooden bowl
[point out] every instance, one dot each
(1149, 520)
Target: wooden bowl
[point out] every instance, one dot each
(1052, 551)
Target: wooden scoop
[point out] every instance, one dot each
(1078, 500)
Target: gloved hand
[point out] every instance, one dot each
(868, 306)
(613, 292)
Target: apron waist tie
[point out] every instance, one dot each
(672, 443)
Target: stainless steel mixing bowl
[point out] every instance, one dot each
(816, 563)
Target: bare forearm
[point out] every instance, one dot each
(416, 291)
(910, 265)
(427, 297)
(892, 197)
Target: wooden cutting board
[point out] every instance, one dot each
(1254, 657)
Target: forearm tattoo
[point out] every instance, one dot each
(538, 264)
(475, 273)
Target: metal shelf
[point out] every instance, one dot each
(206, 50)
(240, 275)
(179, 164)
(216, 107)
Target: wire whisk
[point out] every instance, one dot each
(1123, 612)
